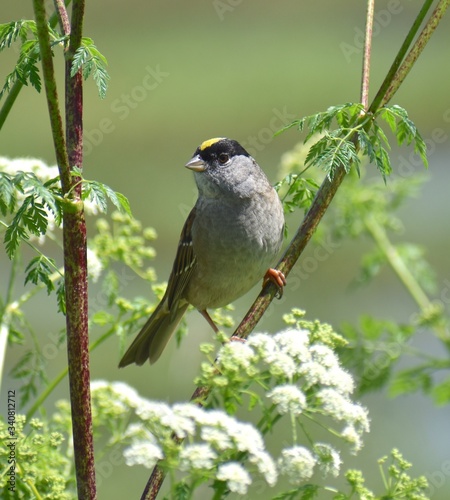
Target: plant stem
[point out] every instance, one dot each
(17, 87)
(5, 315)
(9, 101)
(380, 237)
(416, 50)
(74, 238)
(366, 55)
(52, 95)
(376, 103)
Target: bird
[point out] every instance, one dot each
(230, 239)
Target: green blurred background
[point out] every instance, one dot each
(182, 72)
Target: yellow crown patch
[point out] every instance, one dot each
(209, 142)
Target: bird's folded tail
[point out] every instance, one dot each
(153, 338)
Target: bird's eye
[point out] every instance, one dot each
(223, 158)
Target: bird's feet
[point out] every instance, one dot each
(277, 278)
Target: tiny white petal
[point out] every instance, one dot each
(297, 463)
(143, 453)
(266, 466)
(197, 456)
(288, 398)
(236, 477)
(329, 461)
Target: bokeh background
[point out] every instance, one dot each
(182, 72)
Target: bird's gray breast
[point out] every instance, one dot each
(234, 244)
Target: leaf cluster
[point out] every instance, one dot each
(87, 58)
(90, 60)
(31, 202)
(26, 70)
(356, 132)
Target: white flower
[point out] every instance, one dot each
(341, 408)
(188, 410)
(181, 426)
(38, 167)
(215, 418)
(236, 356)
(281, 365)
(99, 384)
(237, 478)
(263, 343)
(151, 411)
(197, 456)
(143, 453)
(266, 466)
(137, 430)
(216, 437)
(246, 437)
(294, 342)
(127, 394)
(314, 374)
(352, 436)
(95, 266)
(329, 461)
(288, 398)
(297, 463)
(323, 355)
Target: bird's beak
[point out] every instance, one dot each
(196, 164)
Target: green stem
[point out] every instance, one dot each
(6, 313)
(52, 95)
(17, 87)
(396, 262)
(9, 101)
(376, 103)
(416, 50)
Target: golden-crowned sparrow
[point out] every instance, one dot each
(229, 240)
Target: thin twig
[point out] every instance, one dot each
(366, 54)
(63, 18)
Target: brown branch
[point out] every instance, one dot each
(75, 261)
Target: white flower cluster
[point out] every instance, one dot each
(301, 377)
(210, 435)
(298, 366)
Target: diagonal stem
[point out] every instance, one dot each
(376, 103)
(416, 50)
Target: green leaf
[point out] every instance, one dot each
(10, 32)
(39, 270)
(441, 393)
(7, 194)
(61, 296)
(89, 60)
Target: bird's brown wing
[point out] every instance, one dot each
(184, 264)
